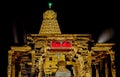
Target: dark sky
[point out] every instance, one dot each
(74, 17)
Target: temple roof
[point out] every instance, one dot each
(49, 24)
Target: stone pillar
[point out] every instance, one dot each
(109, 66)
(106, 70)
(77, 65)
(40, 67)
(33, 62)
(88, 64)
(97, 70)
(10, 63)
(13, 70)
(112, 58)
(81, 65)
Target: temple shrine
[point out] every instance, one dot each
(50, 51)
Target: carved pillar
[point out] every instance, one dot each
(20, 72)
(106, 70)
(33, 61)
(112, 57)
(89, 68)
(40, 66)
(81, 66)
(97, 70)
(10, 65)
(13, 70)
(109, 66)
(76, 69)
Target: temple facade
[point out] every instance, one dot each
(42, 54)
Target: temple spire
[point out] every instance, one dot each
(50, 23)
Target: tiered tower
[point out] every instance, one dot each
(49, 24)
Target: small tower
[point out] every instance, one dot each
(49, 24)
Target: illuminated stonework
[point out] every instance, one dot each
(49, 24)
(38, 58)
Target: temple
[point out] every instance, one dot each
(42, 54)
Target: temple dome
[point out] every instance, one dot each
(50, 23)
(49, 14)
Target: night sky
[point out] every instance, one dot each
(74, 17)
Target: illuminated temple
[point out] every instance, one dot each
(48, 51)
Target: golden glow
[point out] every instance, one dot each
(42, 61)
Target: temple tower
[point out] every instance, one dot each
(45, 52)
(49, 24)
